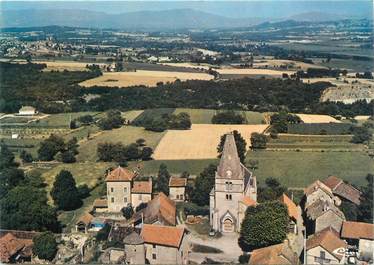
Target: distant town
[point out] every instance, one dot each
(211, 145)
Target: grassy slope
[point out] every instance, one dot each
(62, 119)
(204, 116)
(125, 135)
(298, 169)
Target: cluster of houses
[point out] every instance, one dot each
(318, 232)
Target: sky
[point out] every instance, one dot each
(228, 8)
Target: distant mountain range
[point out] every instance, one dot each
(140, 20)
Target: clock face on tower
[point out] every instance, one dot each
(228, 173)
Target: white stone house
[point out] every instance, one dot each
(141, 192)
(27, 111)
(233, 183)
(325, 247)
(177, 188)
(119, 182)
(360, 235)
(165, 244)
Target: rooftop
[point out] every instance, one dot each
(329, 239)
(177, 182)
(142, 187)
(274, 255)
(100, 203)
(170, 236)
(319, 207)
(342, 189)
(318, 185)
(120, 174)
(357, 230)
(229, 165)
(291, 206)
(85, 219)
(11, 245)
(248, 201)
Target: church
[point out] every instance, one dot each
(234, 190)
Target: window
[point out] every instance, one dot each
(112, 199)
(322, 254)
(181, 196)
(228, 185)
(124, 199)
(228, 197)
(111, 189)
(154, 256)
(154, 246)
(125, 189)
(140, 197)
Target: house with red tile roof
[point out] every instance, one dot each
(279, 254)
(343, 190)
(360, 235)
(326, 247)
(165, 244)
(177, 188)
(119, 183)
(141, 192)
(16, 246)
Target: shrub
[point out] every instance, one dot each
(228, 117)
(45, 246)
(194, 209)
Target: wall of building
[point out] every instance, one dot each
(177, 191)
(135, 254)
(317, 194)
(365, 248)
(314, 253)
(163, 254)
(138, 198)
(119, 195)
(329, 218)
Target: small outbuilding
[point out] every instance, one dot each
(27, 111)
(177, 188)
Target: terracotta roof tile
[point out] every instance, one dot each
(162, 235)
(177, 182)
(120, 174)
(248, 201)
(86, 219)
(291, 206)
(357, 230)
(273, 255)
(332, 182)
(142, 187)
(329, 239)
(10, 245)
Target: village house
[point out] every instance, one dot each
(321, 214)
(27, 111)
(100, 205)
(119, 182)
(343, 190)
(233, 183)
(319, 191)
(84, 223)
(177, 188)
(16, 246)
(141, 192)
(160, 210)
(274, 255)
(325, 247)
(134, 249)
(360, 235)
(296, 227)
(165, 244)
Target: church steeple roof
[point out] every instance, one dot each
(229, 165)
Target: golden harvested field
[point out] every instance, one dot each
(314, 118)
(65, 65)
(200, 142)
(252, 71)
(142, 77)
(281, 63)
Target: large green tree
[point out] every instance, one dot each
(203, 185)
(64, 192)
(26, 208)
(258, 141)
(162, 181)
(50, 147)
(264, 225)
(45, 246)
(240, 145)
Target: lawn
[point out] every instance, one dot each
(204, 116)
(61, 119)
(298, 169)
(27, 144)
(131, 115)
(194, 167)
(126, 135)
(83, 173)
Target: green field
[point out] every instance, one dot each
(61, 119)
(194, 167)
(27, 144)
(320, 128)
(131, 115)
(83, 173)
(298, 169)
(126, 135)
(11, 120)
(204, 116)
(150, 114)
